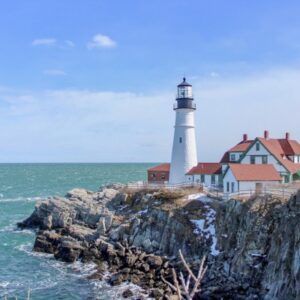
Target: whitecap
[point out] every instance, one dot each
(4, 284)
(115, 292)
(12, 228)
(8, 228)
(21, 199)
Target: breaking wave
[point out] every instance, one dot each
(21, 199)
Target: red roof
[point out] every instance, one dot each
(242, 146)
(280, 149)
(206, 168)
(246, 172)
(160, 168)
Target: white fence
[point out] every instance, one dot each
(155, 186)
(282, 192)
(217, 192)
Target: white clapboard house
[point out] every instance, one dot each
(253, 164)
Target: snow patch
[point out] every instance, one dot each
(200, 197)
(206, 228)
(142, 212)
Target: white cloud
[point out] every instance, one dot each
(101, 41)
(44, 42)
(85, 125)
(214, 74)
(69, 43)
(54, 72)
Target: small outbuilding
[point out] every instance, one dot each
(249, 177)
(159, 174)
(208, 174)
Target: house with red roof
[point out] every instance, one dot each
(209, 174)
(261, 159)
(159, 174)
(247, 177)
(251, 164)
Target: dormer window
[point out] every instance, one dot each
(232, 157)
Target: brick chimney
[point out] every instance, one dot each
(266, 134)
(287, 136)
(245, 137)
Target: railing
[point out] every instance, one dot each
(189, 105)
(282, 192)
(155, 186)
(216, 191)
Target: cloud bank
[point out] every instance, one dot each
(105, 126)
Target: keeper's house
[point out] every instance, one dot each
(253, 164)
(244, 177)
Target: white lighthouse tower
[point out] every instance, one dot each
(184, 153)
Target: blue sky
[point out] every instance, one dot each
(95, 80)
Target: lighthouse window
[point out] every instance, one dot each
(180, 140)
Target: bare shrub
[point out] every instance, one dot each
(187, 288)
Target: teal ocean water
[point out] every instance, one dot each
(21, 185)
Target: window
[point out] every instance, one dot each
(153, 175)
(213, 179)
(228, 187)
(180, 140)
(220, 180)
(232, 157)
(257, 146)
(232, 187)
(286, 178)
(252, 159)
(163, 177)
(264, 159)
(202, 178)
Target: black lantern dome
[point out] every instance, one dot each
(184, 96)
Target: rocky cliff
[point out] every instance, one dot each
(260, 239)
(252, 247)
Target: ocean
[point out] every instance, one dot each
(22, 270)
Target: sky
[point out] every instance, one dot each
(95, 81)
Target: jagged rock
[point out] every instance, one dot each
(258, 240)
(154, 261)
(81, 233)
(68, 250)
(80, 194)
(135, 279)
(127, 294)
(117, 279)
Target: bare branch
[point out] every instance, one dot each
(169, 284)
(186, 266)
(176, 284)
(185, 288)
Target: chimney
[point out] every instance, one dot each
(266, 134)
(287, 136)
(245, 137)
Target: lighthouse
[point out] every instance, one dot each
(184, 152)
